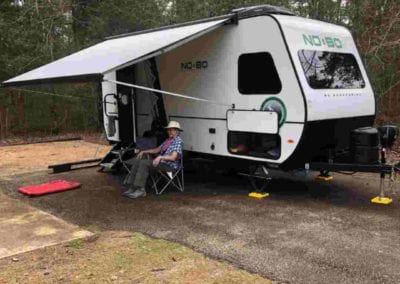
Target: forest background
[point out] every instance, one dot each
(36, 32)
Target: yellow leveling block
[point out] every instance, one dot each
(324, 178)
(381, 200)
(258, 194)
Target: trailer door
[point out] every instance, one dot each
(110, 108)
(118, 107)
(125, 103)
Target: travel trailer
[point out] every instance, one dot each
(259, 86)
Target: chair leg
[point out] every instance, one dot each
(178, 183)
(155, 180)
(171, 178)
(183, 180)
(127, 177)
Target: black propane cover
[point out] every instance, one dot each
(388, 135)
(365, 145)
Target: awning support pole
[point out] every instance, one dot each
(168, 93)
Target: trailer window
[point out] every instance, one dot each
(261, 145)
(257, 74)
(331, 70)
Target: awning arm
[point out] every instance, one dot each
(66, 79)
(168, 93)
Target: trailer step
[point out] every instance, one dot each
(112, 160)
(107, 165)
(74, 165)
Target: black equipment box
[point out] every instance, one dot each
(365, 136)
(365, 145)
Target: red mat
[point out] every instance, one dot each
(49, 187)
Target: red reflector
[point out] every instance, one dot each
(290, 141)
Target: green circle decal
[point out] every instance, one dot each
(276, 105)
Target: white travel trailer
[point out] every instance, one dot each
(257, 86)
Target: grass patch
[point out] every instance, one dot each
(121, 261)
(93, 228)
(75, 244)
(116, 257)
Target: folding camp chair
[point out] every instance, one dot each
(133, 149)
(175, 178)
(123, 156)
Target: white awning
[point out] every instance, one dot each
(112, 54)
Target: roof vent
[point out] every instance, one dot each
(253, 11)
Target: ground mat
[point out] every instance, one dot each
(49, 187)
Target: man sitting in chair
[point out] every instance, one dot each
(169, 152)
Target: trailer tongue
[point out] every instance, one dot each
(367, 154)
(343, 167)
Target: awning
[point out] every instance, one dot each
(92, 63)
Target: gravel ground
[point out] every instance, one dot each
(28, 158)
(289, 237)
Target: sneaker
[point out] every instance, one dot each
(140, 192)
(130, 190)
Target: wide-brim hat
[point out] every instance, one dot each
(174, 124)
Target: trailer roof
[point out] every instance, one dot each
(235, 15)
(92, 63)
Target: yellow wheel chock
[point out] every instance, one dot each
(258, 194)
(324, 178)
(382, 200)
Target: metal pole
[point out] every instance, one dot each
(382, 199)
(167, 93)
(382, 184)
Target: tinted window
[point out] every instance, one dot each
(331, 70)
(258, 75)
